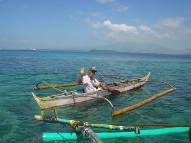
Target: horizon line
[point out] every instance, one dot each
(103, 51)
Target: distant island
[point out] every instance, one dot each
(98, 51)
(103, 51)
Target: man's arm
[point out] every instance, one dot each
(81, 75)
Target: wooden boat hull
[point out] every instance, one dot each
(76, 98)
(69, 100)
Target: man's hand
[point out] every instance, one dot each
(82, 71)
(103, 85)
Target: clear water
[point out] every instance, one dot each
(20, 70)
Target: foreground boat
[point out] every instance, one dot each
(72, 98)
(83, 130)
(63, 136)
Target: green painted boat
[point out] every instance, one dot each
(61, 136)
(118, 131)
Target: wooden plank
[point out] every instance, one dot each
(142, 103)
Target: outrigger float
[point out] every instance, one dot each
(82, 130)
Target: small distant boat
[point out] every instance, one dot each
(73, 98)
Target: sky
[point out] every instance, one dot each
(144, 26)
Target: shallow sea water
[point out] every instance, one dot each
(20, 70)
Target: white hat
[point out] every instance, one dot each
(93, 69)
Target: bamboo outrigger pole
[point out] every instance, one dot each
(125, 131)
(142, 103)
(38, 87)
(86, 124)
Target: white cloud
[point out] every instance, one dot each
(172, 22)
(117, 5)
(121, 7)
(145, 28)
(105, 1)
(150, 32)
(124, 32)
(119, 27)
(139, 33)
(188, 31)
(96, 14)
(168, 33)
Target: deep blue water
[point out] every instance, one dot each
(20, 70)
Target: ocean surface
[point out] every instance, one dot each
(20, 70)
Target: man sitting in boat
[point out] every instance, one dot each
(89, 82)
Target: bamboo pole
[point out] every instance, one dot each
(115, 126)
(38, 87)
(55, 85)
(87, 124)
(142, 103)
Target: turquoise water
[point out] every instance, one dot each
(20, 70)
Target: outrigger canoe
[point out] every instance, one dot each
(72, 98)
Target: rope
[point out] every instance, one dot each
(73, 98)
(101, 97)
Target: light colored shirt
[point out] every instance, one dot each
(89, 85)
